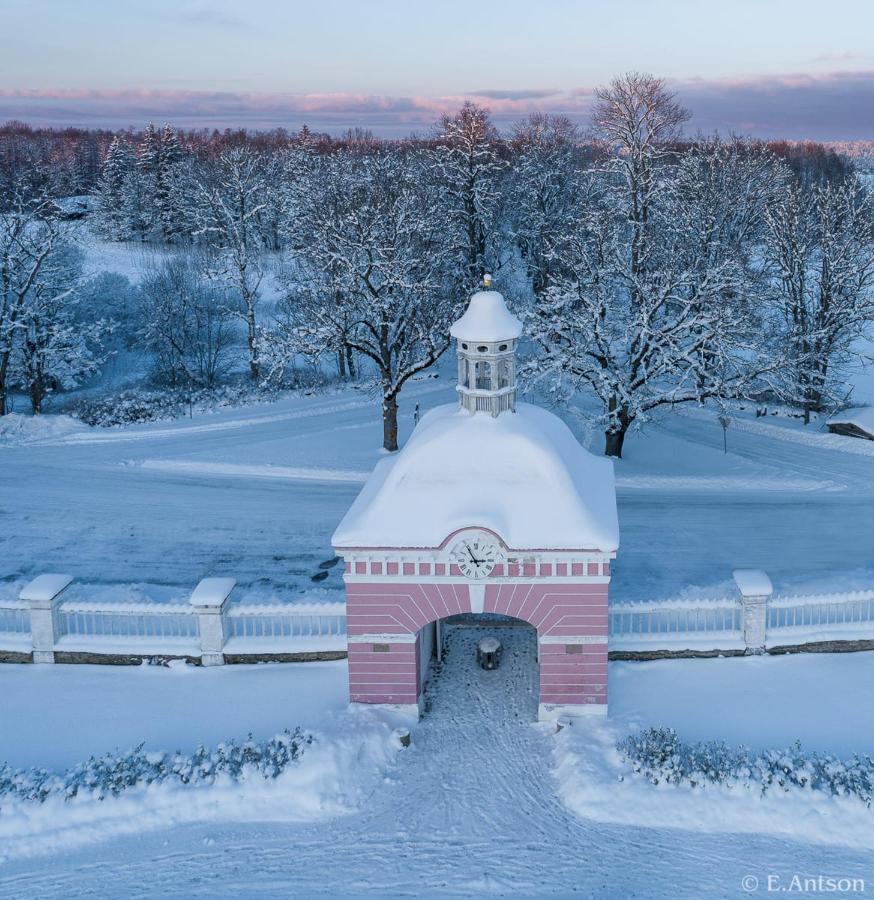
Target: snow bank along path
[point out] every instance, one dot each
(470, 808)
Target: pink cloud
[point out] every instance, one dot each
(832, 105)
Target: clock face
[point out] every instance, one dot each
(476, 555)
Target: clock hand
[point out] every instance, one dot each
(475, 561)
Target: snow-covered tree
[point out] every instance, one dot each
(148, 169)
(233, 199)
(543, 191)
(113, 191)
(170, 184)
(467, 168)
(648, 312)
(374, 263)
(57, 348)
(820, 244)
(186, 324)
(30, 239)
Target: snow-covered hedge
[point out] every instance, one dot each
(660, 756)
(141, 405)
(110, 774)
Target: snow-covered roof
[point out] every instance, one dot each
(523, 475)
(487, 319)
(862, 417)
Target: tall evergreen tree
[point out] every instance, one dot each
(148, 167)
(167, 180)
(114, 219)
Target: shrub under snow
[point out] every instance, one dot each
(659, 755)
(110, 774)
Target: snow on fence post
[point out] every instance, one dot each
(42, 595)
(210, 600)
(755, 592)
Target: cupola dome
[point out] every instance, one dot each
(487, 335)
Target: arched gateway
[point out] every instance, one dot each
(492, 506)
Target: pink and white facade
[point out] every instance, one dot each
(483, 511)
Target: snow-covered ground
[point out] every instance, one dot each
(484, 801)
(255, 493)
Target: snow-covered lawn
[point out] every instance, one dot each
(484, 799)
(56, 716)
(255, 493)
(825, 701)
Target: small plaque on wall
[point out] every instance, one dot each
(573, 648)
(380, 648)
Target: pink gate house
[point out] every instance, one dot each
(492, 506)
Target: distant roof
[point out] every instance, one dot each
(523, 475)
(487, 319)
(862, 417)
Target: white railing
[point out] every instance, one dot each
(14, 619)
(126, 623)
(47, 618)
(654, 620)
(271, 621)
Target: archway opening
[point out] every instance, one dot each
(457, 683)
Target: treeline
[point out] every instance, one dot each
(653, 270)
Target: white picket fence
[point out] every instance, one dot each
(748, 621)
(46, 619)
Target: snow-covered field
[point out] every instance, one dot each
(484, 801)
(255, 493)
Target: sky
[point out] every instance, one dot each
(770, 68)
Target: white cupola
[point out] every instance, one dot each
(487, 335)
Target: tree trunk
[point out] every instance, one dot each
(615, 434)
(4, 371)
(36, 389)
(341, 364)
(253, 350)
(614, 441)
(350, 362)
(390, 423)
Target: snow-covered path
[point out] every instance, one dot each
(471, 808)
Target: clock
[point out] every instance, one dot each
(476, 555)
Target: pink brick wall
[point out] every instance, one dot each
(556, 610)
(575, 677)
(401, 608)
(390, 676)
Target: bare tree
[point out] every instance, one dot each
(374, 264)
(185, 324)
(233, 198)
(647, 312)
(467, 168)
(30, 235)
(820, 245)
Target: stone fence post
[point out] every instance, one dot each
(43, 596)
(210, 600)
(755, 591)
